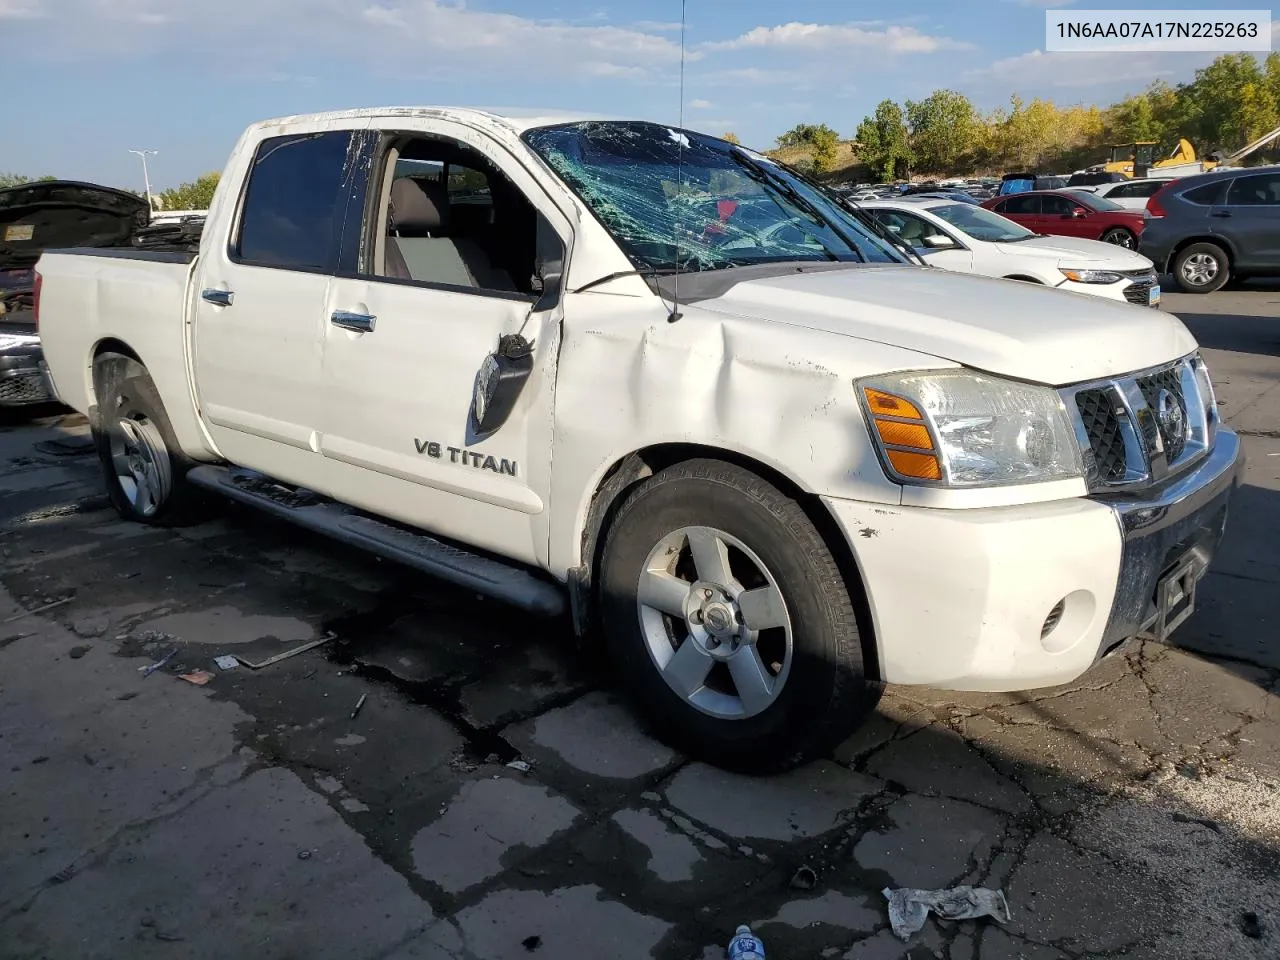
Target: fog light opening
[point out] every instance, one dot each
(1054, 618)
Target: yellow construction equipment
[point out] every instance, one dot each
(1139, 160)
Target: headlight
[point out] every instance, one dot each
(1210, 399)
(959, 428)
(1090, 276)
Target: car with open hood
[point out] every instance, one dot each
(34, 217)
(657, 383)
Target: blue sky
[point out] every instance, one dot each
(86, 80)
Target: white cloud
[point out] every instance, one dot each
(1045, 72)
(830, 36)
(701, 104)
(20, 10)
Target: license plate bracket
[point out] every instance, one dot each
(1176, 597)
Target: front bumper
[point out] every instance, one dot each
(1018, 598)
(24, 376)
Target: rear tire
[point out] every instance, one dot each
(142, 465)
(1121, 238)
(730, 620)
(1201, 268)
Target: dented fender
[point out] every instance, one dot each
(780, 395)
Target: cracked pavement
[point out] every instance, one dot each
(1133, 813)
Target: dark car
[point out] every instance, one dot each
(1022, 182)
(39, 216)
(1093, 179)
(1072, 214)
(1212, 227)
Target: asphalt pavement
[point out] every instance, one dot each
(446, 778)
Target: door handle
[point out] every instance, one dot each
(1220, 213)
(359, 322)
(221, 298)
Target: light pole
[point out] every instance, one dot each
(146, 179)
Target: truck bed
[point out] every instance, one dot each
(91, 297)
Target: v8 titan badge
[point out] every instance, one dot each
(472, 458)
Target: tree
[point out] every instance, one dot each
(731, 137)
(883, 141)
(17, 180)
(942, 127)
(190, 196)
(819, 139)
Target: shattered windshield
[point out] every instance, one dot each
(678, 199)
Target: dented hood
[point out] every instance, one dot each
(1001, 326)
(53, 214)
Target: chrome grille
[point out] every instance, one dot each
(1143, 281)
(1139, 428)
(1097, 410)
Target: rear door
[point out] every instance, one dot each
(259, 324)
(433, 288)
(1250, 220)
(1025, 210)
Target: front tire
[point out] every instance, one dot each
(142, 465)
(730, 620)
(1121, 238)
(1202, 268)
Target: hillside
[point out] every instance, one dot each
(847, 167)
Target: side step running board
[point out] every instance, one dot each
(490, 577)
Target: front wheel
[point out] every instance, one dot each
(1121, 238)
(731, 620)
(1202, 268)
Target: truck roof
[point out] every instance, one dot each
(516, 119)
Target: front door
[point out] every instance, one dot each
(1065, 218)
(447, 269)
(1250, 221)
(259, 332)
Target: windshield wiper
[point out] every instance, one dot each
(645, 271)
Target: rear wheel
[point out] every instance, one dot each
(730, 619)
(144, 470)
(1121, 238)
(1202, 268)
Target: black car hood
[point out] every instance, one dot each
(52, 214)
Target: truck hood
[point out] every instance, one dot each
(1077, 251)
(53, 214)
(1001, 326)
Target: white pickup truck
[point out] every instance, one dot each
(657, 381)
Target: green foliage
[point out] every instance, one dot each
(884, 142)
(190, 196)
(17, 180)
(942, 129)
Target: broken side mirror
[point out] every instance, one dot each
(498, 384)
(548, 270)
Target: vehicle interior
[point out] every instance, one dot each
(447, 216)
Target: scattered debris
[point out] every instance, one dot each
(128, 696)
(908, 909)
(310, 645)
(47, 606)
(531, 943)
(522, 765)
(226, 662)
(151, 668)
(304, 854)
(90, 761)
(90, 627)
(804, 879)
(75, 653)
(198, 677)
(1202, 821)
(359, 704)
(169, 937)
(41, 759)
(62, 876)
(745, 945)
(1250, 925)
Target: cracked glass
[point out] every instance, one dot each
(675, 199)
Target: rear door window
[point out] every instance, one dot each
(1207, 194)
(294, 202)
(1026, 206)
(1056, 206)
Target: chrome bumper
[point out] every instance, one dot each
(1176, 529)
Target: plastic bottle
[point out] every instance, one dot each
(745, 945)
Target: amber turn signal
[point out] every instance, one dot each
(907, 445)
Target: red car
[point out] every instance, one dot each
(1071, 213)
